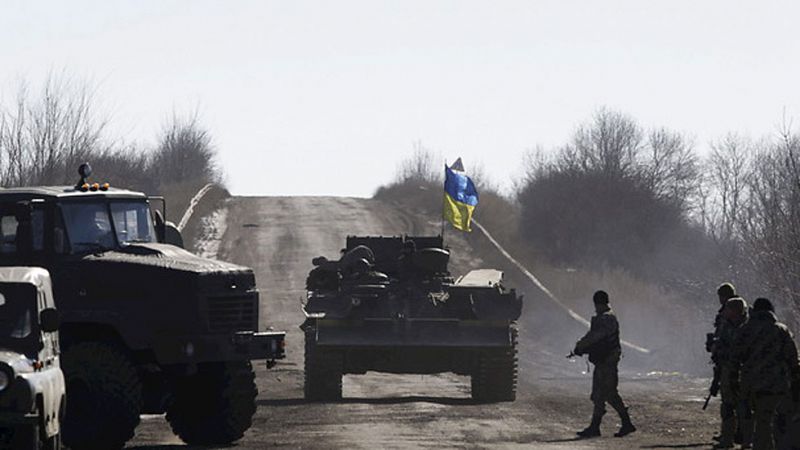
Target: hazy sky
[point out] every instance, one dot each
(327, 97)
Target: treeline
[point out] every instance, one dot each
(619, 195)
(47, 133)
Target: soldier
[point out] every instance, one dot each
(765, 358)
(725, 291)
(602, 345)
(734, 316)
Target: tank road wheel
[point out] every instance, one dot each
(104, 396)
(323, 373)
(214, 406)
(495, 375)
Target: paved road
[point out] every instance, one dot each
(278, 236)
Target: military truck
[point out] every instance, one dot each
(147, 327)
(389, 304)
(31, 382)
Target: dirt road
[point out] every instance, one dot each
(279, 236)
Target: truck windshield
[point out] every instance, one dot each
(133, 222)
(89, 225)
(19, 320)
(16, 317)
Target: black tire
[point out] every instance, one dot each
(323, 372)
(495, 376)
(214, 406)
(26, 437)
(104, 396)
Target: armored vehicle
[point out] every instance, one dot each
(31, 382)
(147, 327)
(389, 304)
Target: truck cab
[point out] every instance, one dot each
(32, 387)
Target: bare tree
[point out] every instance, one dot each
(126, 166)
(43, 138)
(728, 166)
(424, 165)
(610, 144)
(185, 153)
(771, 222)
(615, 195)
(670, 167)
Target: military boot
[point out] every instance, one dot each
(627, 426)
(593, 430)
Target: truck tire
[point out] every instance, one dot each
(214, 406)
(26, 437)
(495, 376)
(323, 372)
(104, 396)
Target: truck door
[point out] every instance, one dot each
(22, 237)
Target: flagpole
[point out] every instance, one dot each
(443, 199)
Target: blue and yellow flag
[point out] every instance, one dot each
(460, 198)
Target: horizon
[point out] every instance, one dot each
(311, 98)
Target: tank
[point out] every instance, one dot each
(390, 304)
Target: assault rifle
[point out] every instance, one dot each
(714, 390)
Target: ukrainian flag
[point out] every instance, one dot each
(460, 198)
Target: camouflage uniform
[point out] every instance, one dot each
(765, 358)
(733, 410)
(603, 346)
(725, 291)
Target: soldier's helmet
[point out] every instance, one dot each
(600, 297)
(737, 305)
(763, 304)
(726, 291)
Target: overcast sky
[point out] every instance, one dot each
(327, 97)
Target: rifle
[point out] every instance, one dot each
(714, 389)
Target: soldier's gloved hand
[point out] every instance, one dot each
(711, 341)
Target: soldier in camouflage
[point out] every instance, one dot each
(765, 357)
(733, 318)
(725, 291)
(602, 345)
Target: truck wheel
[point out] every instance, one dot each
(104, 396)
(323, 373)
(495, 376)
(214, 406)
